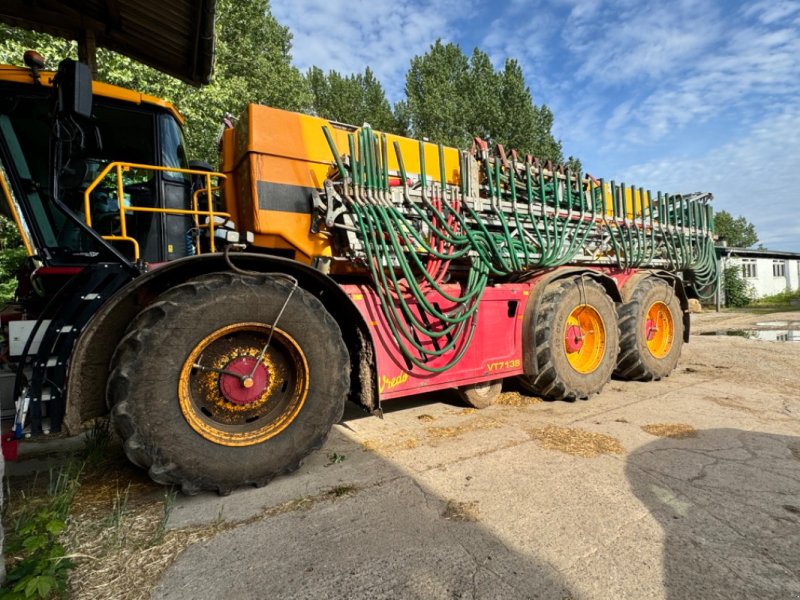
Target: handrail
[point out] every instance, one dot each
(195, 212)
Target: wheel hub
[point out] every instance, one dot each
(659, 330)
(584, 339)
(650, 329)
(247, 388)
(573, 338)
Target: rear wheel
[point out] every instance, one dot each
(651, 329)
(198, 400)
(576, 341)
(481, 395)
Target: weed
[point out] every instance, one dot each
(335, 459)
(97, 441)
(342, 490)
(169, 504)
(119, 508)
(39, 563)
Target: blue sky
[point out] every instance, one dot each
(678, 96)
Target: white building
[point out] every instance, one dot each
(767, 272)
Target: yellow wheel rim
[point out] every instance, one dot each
(659, 330)
(585, 339)
(223, 404)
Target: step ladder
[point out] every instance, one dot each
(62, 321)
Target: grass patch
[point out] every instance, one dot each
(790, 300)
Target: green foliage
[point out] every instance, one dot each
(737, 291)
(574, 164)
(170, 494)
(12, 257)
(436, 95)
(738, 232)
(335, 458)
(353, 99)
(784, 298)
(450, 99)
(97, 442)
(253, 65)
(40, 563)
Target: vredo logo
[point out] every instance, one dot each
(389, 383)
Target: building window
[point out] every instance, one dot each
(749, 268)
(778, 268)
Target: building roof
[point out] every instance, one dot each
(755, 253)
(176, 37)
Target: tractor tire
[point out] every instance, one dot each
(481, 395)
(198, 405)
(651, 332)
(576, 341)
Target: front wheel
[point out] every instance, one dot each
(576, 340)
(211, 389)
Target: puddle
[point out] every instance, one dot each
(779, 324)
(769, 335)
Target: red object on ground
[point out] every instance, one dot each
(10, 446)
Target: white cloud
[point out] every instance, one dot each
(754, 175)
(771, 11)
(384, 34)
(628, 81)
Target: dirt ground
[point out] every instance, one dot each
(683, 488)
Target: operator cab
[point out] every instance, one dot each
(106, 153)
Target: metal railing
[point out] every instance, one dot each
(196, 213)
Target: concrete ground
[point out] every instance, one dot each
(548, 500)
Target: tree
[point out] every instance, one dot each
(252, 64)
(738, 232)
(12, 257)
(735, 288)
(436, 95)
(354, 99)
(451, 99)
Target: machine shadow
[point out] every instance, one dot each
(729, 504)
(382, 534)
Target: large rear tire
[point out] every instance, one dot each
(651, 332)
(576, 341)
(199, 405)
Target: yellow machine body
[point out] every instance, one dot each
(277, 157)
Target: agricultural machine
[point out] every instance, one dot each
(224, 318)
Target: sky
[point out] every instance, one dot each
(677, 96)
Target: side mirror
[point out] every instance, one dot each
(74, 84)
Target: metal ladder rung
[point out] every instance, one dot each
(46, 397)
